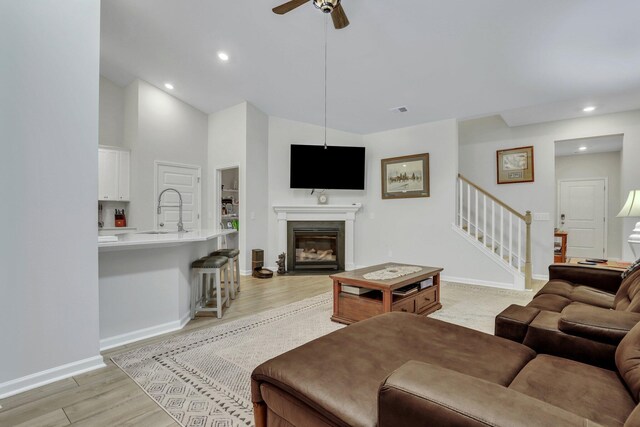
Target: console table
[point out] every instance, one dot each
(349, 308)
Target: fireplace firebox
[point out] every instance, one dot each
(315, 246)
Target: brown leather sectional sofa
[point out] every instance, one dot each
(582, 313)
(401, 369)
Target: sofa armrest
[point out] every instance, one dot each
(597, 324)
(605, 279)
(419, 394)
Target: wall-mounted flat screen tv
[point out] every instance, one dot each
(333, 168)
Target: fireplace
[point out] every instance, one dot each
(315, 246)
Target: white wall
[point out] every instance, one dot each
(238, 137)
(111, 120)
(257, 189)
(49, 133)
(600, 165)
(407, 230)
(480, 138)
(227, 145)
(160, 127)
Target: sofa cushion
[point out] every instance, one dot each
(550, 302)
(557, 287)
(544, 336)
(592, 296)
(577, 293)
(591, 392)
(339, 374)
(628, 361)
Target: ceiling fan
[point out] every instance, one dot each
(327, 6)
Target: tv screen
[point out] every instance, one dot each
(333, 168)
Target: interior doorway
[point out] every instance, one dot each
(582, 214)
(227, 197)
(588, 196)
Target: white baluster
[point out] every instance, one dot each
(468, 209)
(510, 239)
(493, 226)
(520, 245)
(477, 222)
(461, 187)
(484, 215)
(501, 232)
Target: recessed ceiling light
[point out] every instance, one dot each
(168, 86)
(583, 148)
(589, 109)
(223, 56)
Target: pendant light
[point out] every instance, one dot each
(326, 17)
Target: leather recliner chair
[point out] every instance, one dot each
(582, 313)
(400, 369)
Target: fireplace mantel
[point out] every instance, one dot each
(346, 213)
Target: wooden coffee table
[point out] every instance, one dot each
(349, 308)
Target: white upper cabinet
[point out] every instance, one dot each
(113, 174)
(123, 175)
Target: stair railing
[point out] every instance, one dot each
(486, 223)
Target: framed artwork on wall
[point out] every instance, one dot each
(405, 177)
(515, 165)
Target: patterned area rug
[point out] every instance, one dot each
(202, 379)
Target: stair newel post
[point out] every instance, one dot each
(527, 266)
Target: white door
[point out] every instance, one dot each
(185, 179)
(581, 213)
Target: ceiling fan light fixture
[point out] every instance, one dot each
(326, 6)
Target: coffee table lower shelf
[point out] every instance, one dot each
(353, 308)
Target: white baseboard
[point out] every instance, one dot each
(480, 282)
(540, 277)
(141, 334)
(47, 376)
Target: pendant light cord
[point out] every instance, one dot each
(326, 19)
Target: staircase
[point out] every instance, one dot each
(496, 229)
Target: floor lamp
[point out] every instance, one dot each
(632, 209)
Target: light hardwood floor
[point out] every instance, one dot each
(108, 397)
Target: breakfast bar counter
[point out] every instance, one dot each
(144, 282)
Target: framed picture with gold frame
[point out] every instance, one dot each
(405, 177)
(515, 165)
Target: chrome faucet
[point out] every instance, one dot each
(180, 225)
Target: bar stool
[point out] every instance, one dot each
(234, 266)
(203, 285)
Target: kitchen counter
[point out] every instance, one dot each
(140, 240)
(145, 282)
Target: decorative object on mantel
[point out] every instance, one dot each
(282, 259)
(392, 272)
(323, 199)
(405, 177)
(515, 165)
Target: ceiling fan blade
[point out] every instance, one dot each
(339, 17)
(288, 6)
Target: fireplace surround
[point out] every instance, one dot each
(342, 213)
(315, 246)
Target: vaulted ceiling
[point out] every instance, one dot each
(533, 60)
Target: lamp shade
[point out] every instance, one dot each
(632, 206)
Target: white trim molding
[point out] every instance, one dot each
(48, 376)
(346, 213)
(141, 334)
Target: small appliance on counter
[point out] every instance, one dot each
(120, 218)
